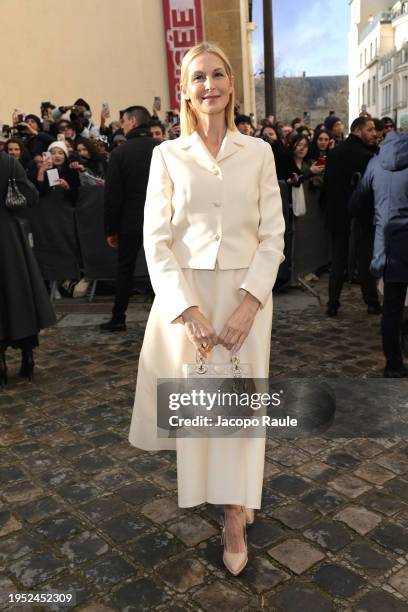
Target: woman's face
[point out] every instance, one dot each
(301, 148)
(14, 150)
(83, 151)
(208, 85)
(323, 142)
(270, 132)
(58, 156)
(69, 132)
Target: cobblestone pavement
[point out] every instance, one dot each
(82, 510)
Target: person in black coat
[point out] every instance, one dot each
(25, 307)
(344, 164)
(125, 194)
(31, 132)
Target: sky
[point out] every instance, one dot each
(309, 35)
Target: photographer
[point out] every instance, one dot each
(29, 129)
(80, 117)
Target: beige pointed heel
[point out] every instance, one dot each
(235, 562)
(250, 516)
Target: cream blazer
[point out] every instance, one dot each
(202, 210)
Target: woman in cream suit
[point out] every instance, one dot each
(213, 238)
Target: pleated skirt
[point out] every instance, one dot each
(214, 470)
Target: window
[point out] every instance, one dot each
(359, 98)
(371, 51)
(386, 99)
(364, 93)
(373, 90)
(368, 92)
(405, 90)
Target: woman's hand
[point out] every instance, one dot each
(75, 165)
(239, 324)
(63, 183)
(199, 330)
(293, 179)
(45, 165)
(316, 169)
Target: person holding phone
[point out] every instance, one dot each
(214, 240)
(321, 144)
(66, 178)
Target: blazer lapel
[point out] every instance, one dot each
(233, 142)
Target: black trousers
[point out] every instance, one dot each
(393, 308)
(340, 255)
(128, 248)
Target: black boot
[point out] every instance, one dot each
(404, 338)
(3, 369)
(115, 324)
(27, 364)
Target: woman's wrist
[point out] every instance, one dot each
(251, 301)
(187, 314)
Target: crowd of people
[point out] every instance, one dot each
(320, 168)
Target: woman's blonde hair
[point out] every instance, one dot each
(188, 117)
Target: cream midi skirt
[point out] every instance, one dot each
(215, 470)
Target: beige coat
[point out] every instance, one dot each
(200, 210)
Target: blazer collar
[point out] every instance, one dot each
(233, 142)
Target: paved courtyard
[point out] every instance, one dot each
(81, 510)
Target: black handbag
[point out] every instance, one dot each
(14, 198)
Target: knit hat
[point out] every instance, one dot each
(330, 121)
(35, 118)
(61, 145)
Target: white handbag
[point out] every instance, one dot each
(232, 369)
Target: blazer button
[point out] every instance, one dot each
(216, 237)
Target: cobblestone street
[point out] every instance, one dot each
(81, 510)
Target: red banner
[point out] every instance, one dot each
(183, 29)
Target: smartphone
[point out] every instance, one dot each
(106, 109)
(321, 161)
(61, 137)
(157, 103)
(20, 118)
(46, 155)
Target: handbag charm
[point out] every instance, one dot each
(14, 197)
